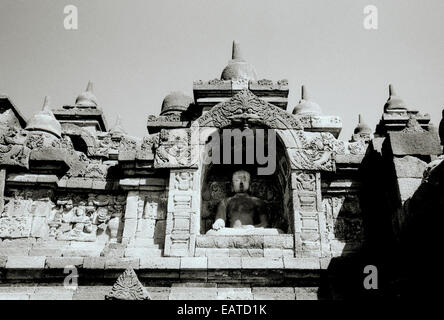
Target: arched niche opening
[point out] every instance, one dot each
(79, 144)
(272, 184)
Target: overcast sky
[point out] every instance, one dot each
(136, 52)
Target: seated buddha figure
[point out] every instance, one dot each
(241, 213)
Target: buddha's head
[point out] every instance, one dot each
(241, 181)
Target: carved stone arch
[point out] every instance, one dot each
(242, 109)
(83, 135)
(245, 107)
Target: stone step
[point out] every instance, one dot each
(143, 252)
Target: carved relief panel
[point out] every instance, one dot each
(174, 149)
(92, 217)
(307, 221)
(182, 223)
(67, 216)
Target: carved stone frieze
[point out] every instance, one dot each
(183, 206)
(13, 149)
(86, 219)
(309, 159)
(247, 107)
(174, 149)
(306, 182)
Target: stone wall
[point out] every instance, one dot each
(196, 291)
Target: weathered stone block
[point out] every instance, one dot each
(145, 228)
(3, 260)
(159, 293)
(262, 263)
(301, 263)
(19, 289)
(14, 296)
(25, 262)
(280, 242)
(409, 167)
(310, 236)
(272, 252)
(225, 275)
(40, 228)
(325, 262)
(233, 252)
(130, 228)
(132, 205)
(52, 293)
(407, 187)
(20, 251)
(94, 263)
(76, 182)
(41, 209)
(143, 252)
(234, 294)
(306, 293)
(15, 227)
(215, 262)
(159, 231)
(91, 292)
(17, 243)
(83, 249)
(159, 263)
(414, 143)
(273, 293)
(200, 252)
(192, 293)
(113, 252)
(100, 184)
(193, 263)
(122, 263)
(62, 262)
(221, 252)
(263, 276)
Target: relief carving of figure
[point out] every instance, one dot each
(184, 181)
(75, 224)
(87, 220)
(241, 213)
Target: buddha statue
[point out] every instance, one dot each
(241, 213)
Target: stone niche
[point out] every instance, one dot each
(145, 219)
(62, 216)
(274, 190)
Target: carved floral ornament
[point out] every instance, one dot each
(247, 107)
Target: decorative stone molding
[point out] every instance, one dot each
(247, 107)
(183, 223)
(174, 149)
(307, 203)
(128, 287)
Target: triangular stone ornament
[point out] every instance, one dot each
(413, 125)
(128, 287)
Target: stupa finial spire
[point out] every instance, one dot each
(236, 51)
(392, 90)
(304, 93)
(89, 87)
(46, 103)
(394, 102)
(87, 98)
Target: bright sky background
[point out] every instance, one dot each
(136, 52)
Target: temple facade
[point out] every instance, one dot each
(78, 194)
